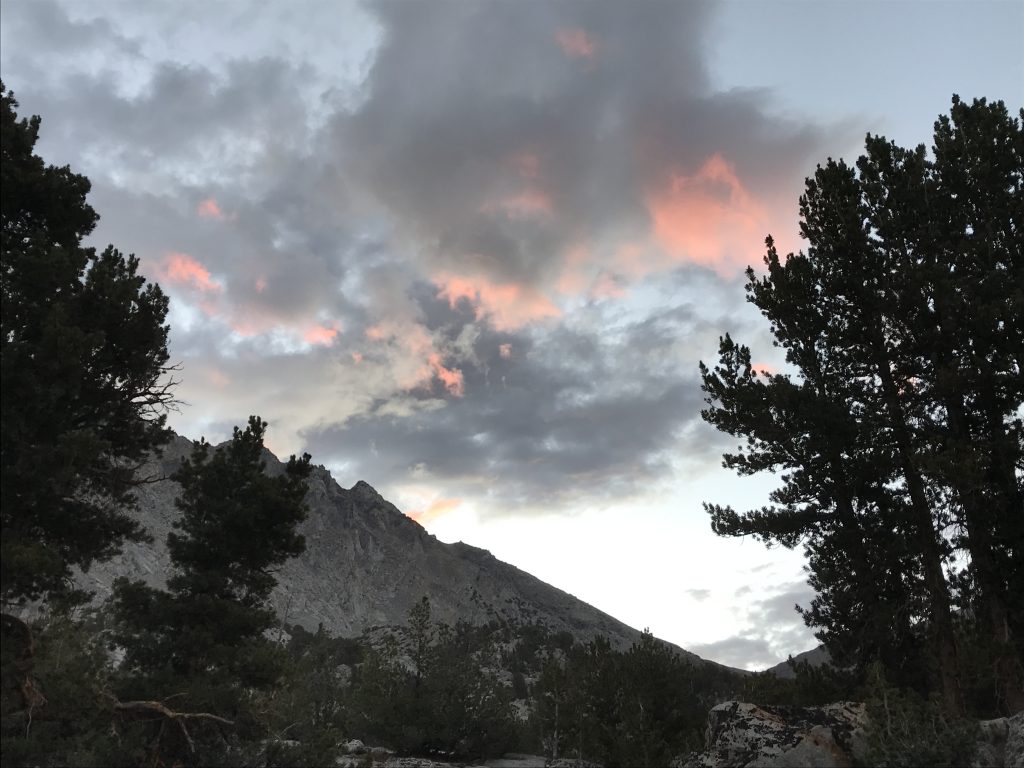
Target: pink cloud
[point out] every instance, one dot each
(764, 369)
(183, 270)
(708, 217)
(505, 350)
(260, 284)
(357, 357)
(576, 43)
(451, 378)
(418, 347)
(508, 306)
(321, 334)
(209, 209)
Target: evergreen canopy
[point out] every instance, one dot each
(83, 388)
(900, 439)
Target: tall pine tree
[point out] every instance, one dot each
(83, 387)
(902, 436)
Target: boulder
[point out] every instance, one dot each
(1000, 743)
(741, 735)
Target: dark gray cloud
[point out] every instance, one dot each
(312, 216)
(503, 135)
(564, 413)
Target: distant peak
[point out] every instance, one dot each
(364, 488)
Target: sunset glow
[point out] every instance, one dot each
(507, 306)
(209, 209)
(708, 217)
(321, 334)
(183, 270)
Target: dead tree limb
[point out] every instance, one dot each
(159, 709)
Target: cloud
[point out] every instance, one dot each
(511, 210)
(522, 161)
(743, 652)
(506, 306)
(183, 270)
(569, 415)
(210, 209)
(576, 43)
(772, 630)
(321, 334)
(700, 595)
(708, 217)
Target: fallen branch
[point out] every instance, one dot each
(161, 710)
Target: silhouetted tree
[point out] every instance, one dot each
(82, 384)
(901, 440)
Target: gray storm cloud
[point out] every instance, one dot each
(489, 240)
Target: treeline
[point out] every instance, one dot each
(426, 689)
(469, 691)
(897, 427)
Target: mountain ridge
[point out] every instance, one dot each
(366, 564)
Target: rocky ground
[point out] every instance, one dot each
(741, 735)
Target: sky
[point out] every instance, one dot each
(472, 252)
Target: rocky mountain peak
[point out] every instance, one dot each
(366, 564)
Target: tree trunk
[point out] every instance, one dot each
(940, 609)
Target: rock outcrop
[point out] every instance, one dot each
(1000, 743)
(746, 735)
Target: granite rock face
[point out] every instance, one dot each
(365, 565)
(1000, 743)
(741, 735)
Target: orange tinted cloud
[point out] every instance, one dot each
(505, 350)
(507, 305)
(432, 511)
(182, 269)
(763, 368)
(209, 209)
(576, 43)
(709, 217)
(320, 334)
(450, 377)
(417, 346)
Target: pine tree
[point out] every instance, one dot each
(238, 524)
(82, 385)
(902, 437)
(207, 634)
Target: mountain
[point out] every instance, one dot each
(365, 565)
(816, 657)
